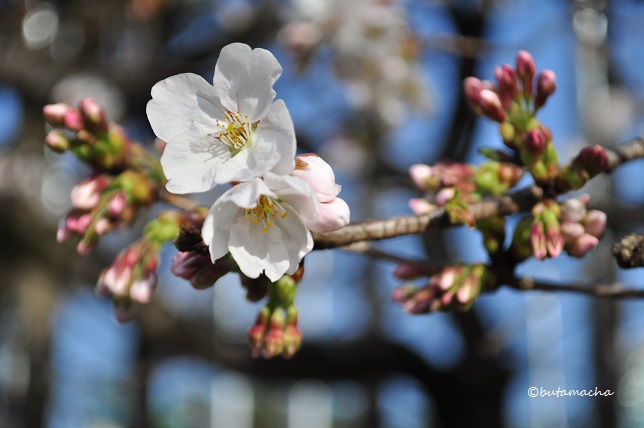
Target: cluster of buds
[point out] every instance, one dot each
(455, 185)
(103, 202)
(512, 100)
(452, 287)
(275, 331)
(513, 103)
(131, 279)
(581, 228)
(440, 183)
(196, 267)
(554, 227)
(590, 161)
(86, 132)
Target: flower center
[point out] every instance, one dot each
(265, 211)
(234, 131)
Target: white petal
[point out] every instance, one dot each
(277, 129)
(215, 231)
(296, 192)
(255, 251)
(244, 79)
(295, 237)
(251, 162)
(245, 195)
(180, 101)
(190, 162)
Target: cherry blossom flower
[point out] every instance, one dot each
(262, 222)
(228, 131)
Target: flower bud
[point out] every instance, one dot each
(332, 216)
(55, 113)
(73, 120)
(595, 223)
(257, 332)
(546, 85)
(526, 69)
(508, 81)
(538, 240)
(274, 339)
(491, 105)
(592, 159)
(472, 88)
(57, 142)
(319, 174)
(534, 142)
(421, 175)
(582, 245)
(93, 114)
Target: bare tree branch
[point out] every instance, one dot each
(613, 291)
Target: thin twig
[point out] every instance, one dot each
(613, 291)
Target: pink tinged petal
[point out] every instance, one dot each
(244, 79)
(319, 175)
(278, 130)
(582, 245)
(181, 102)
(141, 290)
(333, 216)
(595, 223)
(191, 161)
(421, 205)
(420, 173)
(571, 231)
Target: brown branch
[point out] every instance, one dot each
(379, 229)
(613, 291)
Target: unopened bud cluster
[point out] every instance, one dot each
(554, 228)
(276, 331)
(452, 287)
(131, 279)
(589, 162)
(455, 185)
(104, 202)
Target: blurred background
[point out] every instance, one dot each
(373, 86)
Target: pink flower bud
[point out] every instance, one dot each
(274, 339)
(472, 87)
(87, 194)
(571, 231)
(592, 159)
(319, 174)
(55, 113)
(526, 69)
(117, 205)
(73, 120)
(582, 245)
(491, 105)
(57, 142)
(141, 290)
(332, 216)
(508, 81)
(538, 240)
(403, 293)
(595, 223)
(420, 175)
(546, 85)
(79, 222)
(444, 195)
(292, 341)
(574, 209)
(93, 114)
(534, 142)
(421, 206)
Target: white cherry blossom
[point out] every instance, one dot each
(228, 131)
(262, 222)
